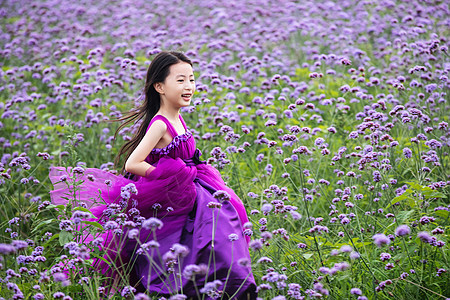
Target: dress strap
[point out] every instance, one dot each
(172, 130)
(184, 124)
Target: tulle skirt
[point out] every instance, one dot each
(200, 239)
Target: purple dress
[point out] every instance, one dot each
(195, 233)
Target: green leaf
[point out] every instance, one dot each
(51, 239)
(430, 193)
(345, 277)
(56, 152)
(403, 216)
(411, 202)
(84, 209)
(99, 257)
(426, 190)
(359, 245)
(403, 196)
(60, 206)
(414, 185)
(46, 222)
(95, 224)
(65, 237)
(307, 255)
(294, 273)
(442, 213)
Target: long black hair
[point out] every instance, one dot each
(157, 72)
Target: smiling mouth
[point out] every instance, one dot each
(186, 95)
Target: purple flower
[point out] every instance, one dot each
(266, 235)
(255, 245)
(302, 245)
(98, 241)
(141, 296)
(424, 237)
(78, 170)
(383, 285)
(402, 230)
(385, 256)
(152, 223)
(213, 204)
(59, 277)
(127, 291)
(295, 215)
(152, 244)
(266, 208)
(345, 221)
(270, 123)
(346, 248)
(111, 225)
(376, 176)
(6, 249)
(407, 152)
(437, 230)
(433, 144)
(353, 135)
(180, 250)
(233, 237)
(425, 220)
(133, 233)
(356, 291)
(355, 255)
(178, 297)
(221, 195)
(381, 239)
(264, 260)
(125, 195)
(346, 61)
(58, 295)
(66, 225)
(190, 271)
(244, 262)
(210, 288)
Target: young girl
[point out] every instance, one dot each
(191, 237)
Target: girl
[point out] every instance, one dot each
(190, 239)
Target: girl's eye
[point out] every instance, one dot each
(180, 80)
(192, 80)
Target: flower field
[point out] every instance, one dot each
(329, 119)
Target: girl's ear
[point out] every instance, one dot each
(159, 87)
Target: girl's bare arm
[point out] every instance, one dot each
(136, 162)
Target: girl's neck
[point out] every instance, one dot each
(172, 114)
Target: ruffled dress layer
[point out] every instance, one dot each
(179, 192)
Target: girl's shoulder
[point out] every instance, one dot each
(158, 117)
(158, 120)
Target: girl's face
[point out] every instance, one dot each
(179, 86)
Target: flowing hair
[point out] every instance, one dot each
(157, 72)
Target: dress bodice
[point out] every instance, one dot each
(182, 145)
